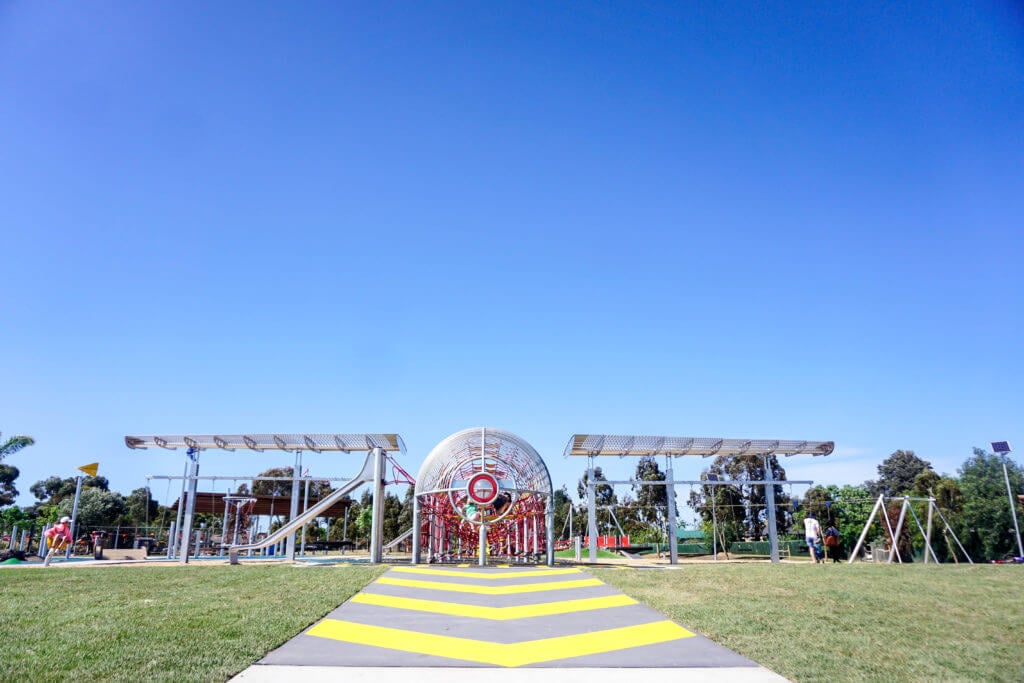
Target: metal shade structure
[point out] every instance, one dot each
(345, 443)
(676, 446)
(628, 445)
(377, 444)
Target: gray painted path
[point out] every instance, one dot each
(431, 623)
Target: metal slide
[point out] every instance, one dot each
(365, 476)
(401, 537)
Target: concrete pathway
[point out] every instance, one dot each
(427, 623)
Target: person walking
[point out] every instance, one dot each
(832, 542)
(812, 534)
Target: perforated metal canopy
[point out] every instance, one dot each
(347, 443)
(626, 445)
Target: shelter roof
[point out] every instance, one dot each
(212, 503)
(626, 445)
(347, 443)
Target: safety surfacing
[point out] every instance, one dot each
(480, 617)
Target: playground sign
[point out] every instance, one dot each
(482, 488)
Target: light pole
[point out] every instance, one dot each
(1002, 448)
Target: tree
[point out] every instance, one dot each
(897, 473)
(8, 494)
(846, 507)
(14, 444)
(604, 494)
(52, 489)
(317, 488)
(391, 514)
(8, 473)
(721, 507)
(96, 508)
(651, 499)
(561, 504)
(751, 513)
(140, 507)
(988, 532)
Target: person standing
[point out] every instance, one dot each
(812, 534)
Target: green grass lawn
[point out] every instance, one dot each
(191, 623)
(807, 622)
(601, 554)
(849, 622)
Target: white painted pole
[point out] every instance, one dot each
(864, 533)
(894, 550)
(928, 533)
(1013, 508)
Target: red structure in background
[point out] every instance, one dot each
(484, 477)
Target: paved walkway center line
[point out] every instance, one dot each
(501, 654)
(493, 613)
(489, 589)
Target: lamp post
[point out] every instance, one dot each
(1003, 448)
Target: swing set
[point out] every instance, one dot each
(893, 535)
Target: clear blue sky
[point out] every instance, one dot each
(717, 219)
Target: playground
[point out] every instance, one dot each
(476, 582)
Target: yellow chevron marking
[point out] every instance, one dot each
(486, 575)
(489, 590)
(493, 613)
(501, 654)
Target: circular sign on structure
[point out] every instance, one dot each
(482, 488)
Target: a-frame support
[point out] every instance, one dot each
(895, 534)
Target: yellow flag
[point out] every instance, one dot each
(91, 469)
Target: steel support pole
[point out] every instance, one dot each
(377, 518)
(293, 508)
(769, 497)
(224, 527)
(305, 506)
(190, 505)
(591, 511)
(1013, 508)
(416, 511)
(482, 549)
(670, 502)
(714, 521)
(172, 540)
(550, 524)
(74, 515)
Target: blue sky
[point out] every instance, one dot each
(668, 218)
